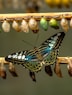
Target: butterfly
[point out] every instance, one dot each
(44, 55)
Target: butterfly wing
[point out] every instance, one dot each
(51, 58)
(26, 58)
(49, 51)
(49, 48)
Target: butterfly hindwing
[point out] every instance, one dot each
(51, 58)
(33, 66)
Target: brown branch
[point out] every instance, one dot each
(2, 60)
(37, 16)
(61, 60)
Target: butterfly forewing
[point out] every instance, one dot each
(51, 44)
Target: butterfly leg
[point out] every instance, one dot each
(48, 70)
(32, 75)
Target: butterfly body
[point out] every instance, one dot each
(45, 54)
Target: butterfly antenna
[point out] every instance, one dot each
(32, 44)
(28, 43)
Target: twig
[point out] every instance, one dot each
(37, 16)
(60, 60)
(2, 60)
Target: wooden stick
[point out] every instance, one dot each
(37, 16)
(60, 60)
(2, 60)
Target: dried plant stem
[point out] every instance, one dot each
(2, 60)
(37, 16)
(60, 60)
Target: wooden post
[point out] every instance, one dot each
(37, 16)
(60, 60)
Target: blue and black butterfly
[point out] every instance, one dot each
(46, 54)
